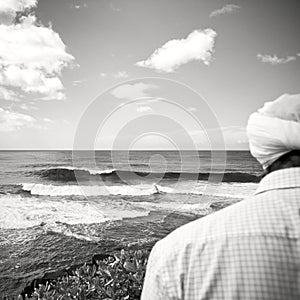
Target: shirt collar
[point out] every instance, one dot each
(281, 179)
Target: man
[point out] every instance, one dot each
(250, 250)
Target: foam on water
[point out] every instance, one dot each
(193, 208)
(75, 190)
(66, 230)
(239, 191)
(91, 171)
(23, 212)
(19, 212)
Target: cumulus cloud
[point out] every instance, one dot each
(121, 75)
(274, 59)
(192, 109)
(13, 6)
(27, 107)
(114, 8)
(198, 46)
(79, 6)
(148, 100)
(116, 75)
(32, 56)
(7, 94)
(11, 121)
(47, 120)
(103, 75)
(235, 137)
(79, 82)
(229, 8)
(132, 91)
(143, 109)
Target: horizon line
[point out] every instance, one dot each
(2, 150)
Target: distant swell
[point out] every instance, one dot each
(69, 174)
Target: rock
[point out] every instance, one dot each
(71, 270)
(101, 257)
(28, 290)
(47, 277)
(53, 275)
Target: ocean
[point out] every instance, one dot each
(58, 209)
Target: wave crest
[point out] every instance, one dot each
(71, 174)
(225, 190)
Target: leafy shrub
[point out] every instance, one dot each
(119, 277)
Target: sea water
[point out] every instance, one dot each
(55, 211)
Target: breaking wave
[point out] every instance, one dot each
(20, 212)
(76, 190)
(224, 190)
(71, 174)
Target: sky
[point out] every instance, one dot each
(137, 74)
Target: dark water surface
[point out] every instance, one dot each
(55, 211)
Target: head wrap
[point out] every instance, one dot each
(275, 129)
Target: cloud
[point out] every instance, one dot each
(32, 57)
(79, 82)
(274, 59)
(117, 75)
(79, 6)
(47, 120)
(121, 75)
(143, 109)
(27, 107)
(114, 8)
(7, 94)
(11, 7)
(235, 137)
(12, 121)
(198, 46)
(148, 100)
(229, 8)
(192, 109)
(132, 91)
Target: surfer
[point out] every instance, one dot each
(157, 191)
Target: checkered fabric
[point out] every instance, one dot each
(250, 250)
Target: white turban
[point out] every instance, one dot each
(275, 129)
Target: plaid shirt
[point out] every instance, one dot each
(250, 250)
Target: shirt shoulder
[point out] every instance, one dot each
(217, 254)
(264, 214)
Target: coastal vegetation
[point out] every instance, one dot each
(112, 275)
(118, 276)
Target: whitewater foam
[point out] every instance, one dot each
(76, 190)
(230, 190)
(194, 208)
(20, 212)
(67, 230)
(91, 171)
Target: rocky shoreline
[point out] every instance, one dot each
(109, 253)
(121, 274)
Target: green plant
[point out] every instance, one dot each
(119, 277)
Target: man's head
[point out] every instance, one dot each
(274, 133)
